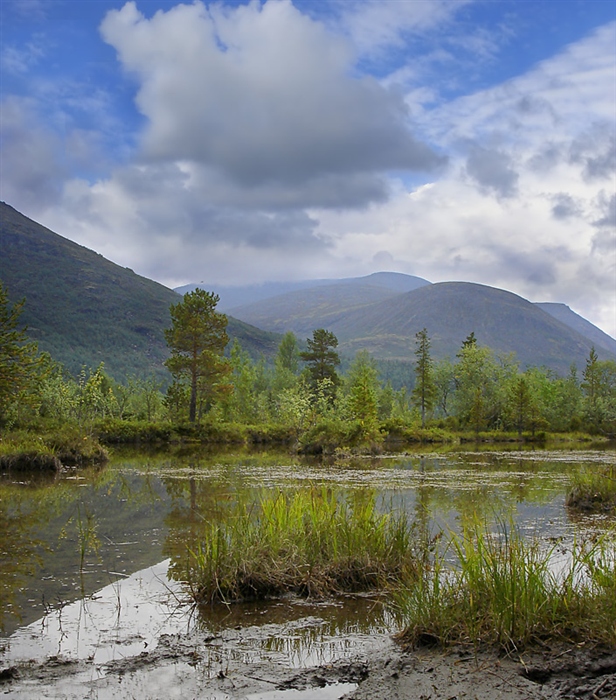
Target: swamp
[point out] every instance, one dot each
(102, 584)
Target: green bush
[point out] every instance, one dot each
(113, 431)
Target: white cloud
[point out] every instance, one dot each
(382, 25)
(267, 155)
(527, 201)
(266, 98)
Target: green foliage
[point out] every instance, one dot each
(21, 366)
(327, 435)
(197, 339)
(294, 407)
(523, 404)
(481, 386)
(322, 359)
(425, 391)
(247, 403)
(362, 395)
(81, 401)
(113, 431)
(287, 358)
(599, 388)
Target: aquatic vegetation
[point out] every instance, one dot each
(312, 541)
(506, 590)
(594, 491)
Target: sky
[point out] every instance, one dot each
(230, 143)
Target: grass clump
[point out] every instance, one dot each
(505, 590)
(24, 451)
(312, 542)
(594, 491)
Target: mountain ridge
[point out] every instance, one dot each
(234, 296)
(450, 311)
(84, 309)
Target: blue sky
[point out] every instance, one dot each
(244, 142)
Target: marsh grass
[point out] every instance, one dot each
(506, 590)
(69, 446)
(594, 491)
(312, 542)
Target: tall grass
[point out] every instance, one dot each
(507, 590)
(312, 542)
(594, 491)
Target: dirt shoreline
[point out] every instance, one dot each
(187, 666)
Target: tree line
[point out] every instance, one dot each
(478, 390)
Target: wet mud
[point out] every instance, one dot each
(195, 665)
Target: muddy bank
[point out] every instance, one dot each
(198, 665)
(563, 674)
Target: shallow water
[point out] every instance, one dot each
(103, 530)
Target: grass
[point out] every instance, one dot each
(506, 591)
(594, 491)
(26, 451)
(313, 542)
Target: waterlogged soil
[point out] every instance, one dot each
(182, 666)
(138, 637)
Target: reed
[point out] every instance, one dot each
(313, 542)
(508, 591)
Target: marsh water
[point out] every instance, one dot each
(91, 561)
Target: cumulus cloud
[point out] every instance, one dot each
(265, 97)
(266, 151)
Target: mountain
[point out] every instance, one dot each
(237, 296)
(84, 309)
(563, 313)
(450, 311)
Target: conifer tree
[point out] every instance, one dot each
(197, 339)
(424, 393)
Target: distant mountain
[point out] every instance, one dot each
(84, 309)
(563, 313)
(232, 297)
(450, 311)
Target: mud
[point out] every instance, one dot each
(196, 666)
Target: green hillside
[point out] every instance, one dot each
(564, 314)
(450, 311)
(84, 309)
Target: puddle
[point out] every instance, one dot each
(121, 620)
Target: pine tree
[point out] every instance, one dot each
(424, 393)
(197, 340)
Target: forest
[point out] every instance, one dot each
(303, 397)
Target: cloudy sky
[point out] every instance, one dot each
(240, 142)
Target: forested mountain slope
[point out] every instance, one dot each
(84, 309)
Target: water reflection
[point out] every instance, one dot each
(68, 536)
